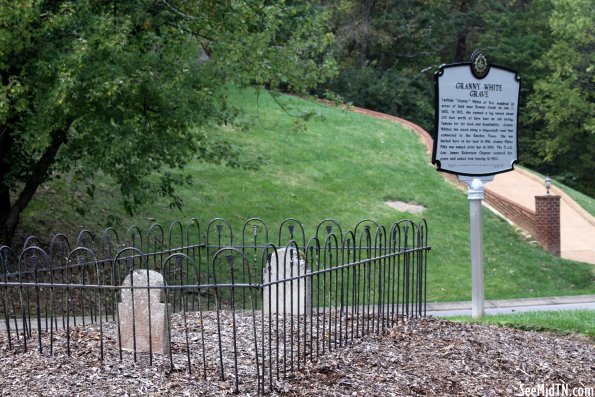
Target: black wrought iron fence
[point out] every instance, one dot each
(258, 305)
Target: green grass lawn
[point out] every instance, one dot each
(343, 166)
(563, 321)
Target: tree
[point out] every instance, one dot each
(515, 34)
(561, 106)
(130, 88)
(387, 51)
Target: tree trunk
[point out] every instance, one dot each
(6, 144)
(461, 49)
(367, 6)
(10, 214)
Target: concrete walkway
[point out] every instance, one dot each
(577, 239)
(446, 309)
(577, 234)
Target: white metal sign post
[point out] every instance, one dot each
(475, 196)
(476, 137)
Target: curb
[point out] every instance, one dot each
(511, 303)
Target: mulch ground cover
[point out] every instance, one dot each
(420, 357)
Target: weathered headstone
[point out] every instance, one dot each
(290, 297)
(135, 328)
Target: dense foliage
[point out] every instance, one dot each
(388, 50)
(131, 88)
(561, 107)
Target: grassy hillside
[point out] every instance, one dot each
(342, 166)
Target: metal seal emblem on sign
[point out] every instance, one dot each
(479, 65)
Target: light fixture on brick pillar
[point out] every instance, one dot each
(548, 184)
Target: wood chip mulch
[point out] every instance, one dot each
(442, 358)
(422, 357)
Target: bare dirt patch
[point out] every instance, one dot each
(416, 358)
(405, 207)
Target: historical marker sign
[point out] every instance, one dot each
(476, 118)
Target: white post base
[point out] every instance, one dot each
(475, 196)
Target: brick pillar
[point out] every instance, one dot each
(547, 222)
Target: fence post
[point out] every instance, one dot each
(547, 222)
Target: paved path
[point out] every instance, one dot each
(446, 309)
(577, 234)
(577, 239)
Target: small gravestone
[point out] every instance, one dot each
(289, 297)
(136, 331)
